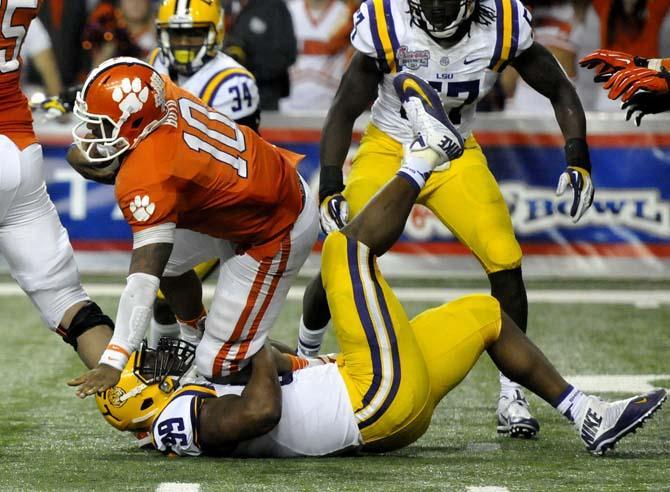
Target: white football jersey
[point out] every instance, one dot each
(323, 54)
(462, 74)
(317, 418)
(221, 83)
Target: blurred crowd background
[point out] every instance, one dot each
(299, 49)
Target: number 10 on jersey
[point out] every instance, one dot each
(222, 147)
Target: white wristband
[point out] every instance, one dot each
(113, 356)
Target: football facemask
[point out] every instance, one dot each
(146, 384)
(440, 18)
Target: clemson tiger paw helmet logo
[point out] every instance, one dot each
(142, 208)
(131, 96)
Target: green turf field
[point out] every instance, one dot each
(49, 440)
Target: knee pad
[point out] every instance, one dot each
(86, 318)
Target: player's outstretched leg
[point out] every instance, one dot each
(600, 424)
(436, 142)
(381, 222)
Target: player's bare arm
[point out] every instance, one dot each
(227, 420)
(541, 71)
(357, 90)
(538, 67)
(146, 267)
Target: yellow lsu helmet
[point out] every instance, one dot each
(147, 384)
(189, 33)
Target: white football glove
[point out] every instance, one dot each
(333, 213)
(580, 181)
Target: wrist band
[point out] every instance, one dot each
(577, 153)
(330, 181)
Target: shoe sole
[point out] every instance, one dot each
(521, 430)
(608, 444)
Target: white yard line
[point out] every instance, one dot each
(639, 298)
(178, 487)
(617, 383)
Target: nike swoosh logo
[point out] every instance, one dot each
(468, 62)
(411, 84)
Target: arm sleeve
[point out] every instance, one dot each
(132, 319)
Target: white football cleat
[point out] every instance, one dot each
(602, 423)
(514, 416)
(431, 125)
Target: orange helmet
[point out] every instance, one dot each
(120, 103)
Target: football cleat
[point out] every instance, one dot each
(423, 108)
(604, 423)
(514, 416)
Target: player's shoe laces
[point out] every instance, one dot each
(514, 416)
(431, 125)
(602, 423)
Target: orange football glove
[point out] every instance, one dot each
(608, 62)
(626, 83)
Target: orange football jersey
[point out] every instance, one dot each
(16, 121)
(207, 174)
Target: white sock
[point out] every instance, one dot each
(507, 386)
(158, 330)
(416, 169)
(571, 403)
(309, 341)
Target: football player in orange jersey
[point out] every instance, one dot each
(32, 239)
(193, 185)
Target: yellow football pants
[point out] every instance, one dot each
(397, 371)
(466, 197)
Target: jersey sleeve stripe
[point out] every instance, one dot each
(211, 88)
(388, 15)
(152, 57)
(381, 56)
(507, 34)
(383, 33)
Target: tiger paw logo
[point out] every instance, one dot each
(131, 96)
(142, 208)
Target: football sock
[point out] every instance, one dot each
(415, 169)
(309, 341)
(507, 386)
(158, 330)
(571, 403)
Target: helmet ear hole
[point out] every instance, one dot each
(147, 403)
(137, 122)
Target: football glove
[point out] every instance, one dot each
(627, 82)
(333, 213)
(644, 103)
(608, 62)
(579, 180)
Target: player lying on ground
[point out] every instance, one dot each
(32, 239)
(642, 84)
(391, 373)
(193, 186)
